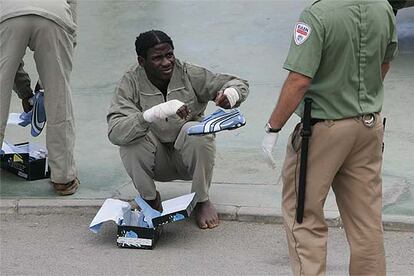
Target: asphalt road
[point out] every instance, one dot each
(63, 245)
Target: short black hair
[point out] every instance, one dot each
(149, 39)
(397, 4)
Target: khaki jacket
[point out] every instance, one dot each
(191, 84)
(62, 12)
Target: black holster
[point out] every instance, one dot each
(306, 133)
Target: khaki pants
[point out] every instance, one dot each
(53, 50)
(189, 158)
(346, 155)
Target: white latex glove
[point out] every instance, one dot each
(232, 95)
(268, 146)
(162, 111)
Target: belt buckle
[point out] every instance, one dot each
(369, 120)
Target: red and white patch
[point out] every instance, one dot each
(302, 32)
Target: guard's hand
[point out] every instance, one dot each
(26, 104)
(183, 112)
(268, 147)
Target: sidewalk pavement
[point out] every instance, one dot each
(234, 201)
(243, 188)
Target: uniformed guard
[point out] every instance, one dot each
(339, 56)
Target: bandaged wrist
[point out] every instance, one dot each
(232, 95)
(162, 111)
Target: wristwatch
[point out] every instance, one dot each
(269, 129)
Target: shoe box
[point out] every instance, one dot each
(27, 160)
(134, 228)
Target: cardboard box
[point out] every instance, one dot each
(142, 228)
(137, 237)
(133, 232)
(27, 160)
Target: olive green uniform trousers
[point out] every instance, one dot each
(347, 156)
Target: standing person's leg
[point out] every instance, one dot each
(53, 53)
(197, 154)
(14, 38)
(145, 161)
(328, 147)
(358, 191)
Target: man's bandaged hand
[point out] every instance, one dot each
(232, 95)
(227, 98)
(162, 111)
(268, 147)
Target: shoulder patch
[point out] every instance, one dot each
(302, 32)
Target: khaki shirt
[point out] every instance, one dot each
(62, 12)
(341, 45)
(191, 84)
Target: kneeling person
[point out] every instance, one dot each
(154, 104)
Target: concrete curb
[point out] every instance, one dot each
(226, 212)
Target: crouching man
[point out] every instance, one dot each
(154, 104)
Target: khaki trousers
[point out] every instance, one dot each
(346, 155)
(189, 158)
(53, 51)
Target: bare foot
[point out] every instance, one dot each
(206, 215)
(155, 203)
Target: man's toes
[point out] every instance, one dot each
(202, 224)
(215, 221)
(212, 224)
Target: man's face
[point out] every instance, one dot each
(159, 63)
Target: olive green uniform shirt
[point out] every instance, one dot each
(341, 45)
(193, 85)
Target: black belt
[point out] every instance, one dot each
(314, 121)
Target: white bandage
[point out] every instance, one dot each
(268, 147)
(232, 95)
(162, 111)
